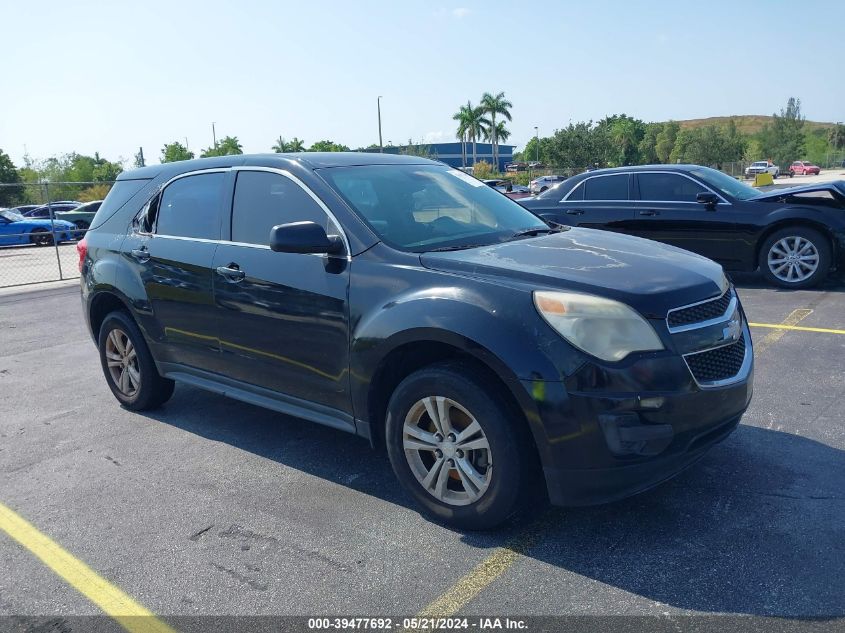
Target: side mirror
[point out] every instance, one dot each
(304, 237)
(708, 198)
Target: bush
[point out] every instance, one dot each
(482, 170)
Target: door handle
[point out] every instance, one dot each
(650, 212)
(141, 254)
(231, 273)
(574, 212)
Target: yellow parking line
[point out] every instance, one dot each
(799, 328)
(483, 574)
(791, 321)
(114, 602)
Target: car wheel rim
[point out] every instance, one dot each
(793, 259)
(122, 360)
(447, 450)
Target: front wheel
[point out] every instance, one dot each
(795, 257)
(454, 446)
(128, 365)
(41, 237)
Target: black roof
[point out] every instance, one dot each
(615, 170)
(312, 160)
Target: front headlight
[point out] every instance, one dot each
(604, 328)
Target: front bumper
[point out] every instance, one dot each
(613, 432)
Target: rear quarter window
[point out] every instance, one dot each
(122, 192)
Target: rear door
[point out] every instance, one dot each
(599, 202)
(172, 253)
(667, 211)
(283, 317)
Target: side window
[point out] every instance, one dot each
(190, 207)
(577, 193)
(668, 188)
(264, 200)
(607, 187)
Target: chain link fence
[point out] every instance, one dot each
(40, 224)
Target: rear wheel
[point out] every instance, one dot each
(41, 237)
(128, 365)
(454, 447)
(795, 257)
(81, 227)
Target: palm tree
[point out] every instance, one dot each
(502, 133)
(281, 146)
(473, 124)
(494, 105)
(296, 145)
(462, 116)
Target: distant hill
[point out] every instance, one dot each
(745, 123)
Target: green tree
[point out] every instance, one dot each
(174, 152)
(296, 145)
(836, 137)
(783, 141)
(462, 116)
(665, 141)
(327, 146)
(9, 176)
(574, 146)
(647, 149)
(138, 160)
(620, 136)
(227, 146)
(494, 105)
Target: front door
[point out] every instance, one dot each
(667, 211)
(283, 317)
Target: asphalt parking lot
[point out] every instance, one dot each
(23, 265)
(211, 506)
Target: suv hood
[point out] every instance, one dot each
(649, 276)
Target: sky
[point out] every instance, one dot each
(113, 77)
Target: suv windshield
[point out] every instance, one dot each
(724, 183)
(428, 207)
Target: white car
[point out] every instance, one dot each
(762, 167)
(539, 185)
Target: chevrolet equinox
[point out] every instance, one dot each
(494, 356)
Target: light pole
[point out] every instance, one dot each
(537, 136)
(214, 134)
(380, 144)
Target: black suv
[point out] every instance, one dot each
(406, 302)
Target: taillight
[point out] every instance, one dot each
(82, 249)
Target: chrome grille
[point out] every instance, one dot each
(717, 364)
(700, 312)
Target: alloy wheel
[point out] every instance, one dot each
(793, 259)
(447, 450)
(122, 359)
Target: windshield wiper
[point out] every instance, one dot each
(454, 247)
(537, 230)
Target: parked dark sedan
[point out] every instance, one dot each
(393, 297)
(794, 236)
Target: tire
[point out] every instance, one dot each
(791, 174)
(461, 392)
(81, 227)
(143, 388)
(41, 237)
(812, 247)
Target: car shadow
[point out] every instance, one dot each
(755, 281)
(756, 527)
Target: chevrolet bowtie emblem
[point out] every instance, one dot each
(733, 330)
